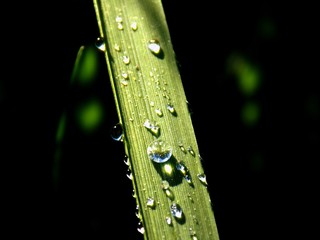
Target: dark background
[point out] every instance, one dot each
(262, 178)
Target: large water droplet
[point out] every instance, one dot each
(159, 151)
(117, 133)
(100, 44)
(152, 127)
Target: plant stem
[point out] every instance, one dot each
(152, 106)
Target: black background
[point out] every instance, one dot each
(275, 200)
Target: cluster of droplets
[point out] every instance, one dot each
(158, 150)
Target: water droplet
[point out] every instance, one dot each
(100, 44)
(190, 150)
(169, 220)
(129, 174)
(151, 203)
(138, 212)
(152, 103)
(140, 228)
(126, 60)
(119, 22)
(193, 234)
(182, 148)
(119, 19)
(169, 194)
(165, 184)
(176, 211)
(189, 108)
(126, 160)
(171, 109)
(124, 82)
(125, 75)
(117, 133)
(152, 127)
(154, 46)
(159, 112)
(159, 151)
(182, 168)
(134, 26)
(120, 26)
(117, 48)
(166, 188)
(203, 179)
(188, 179)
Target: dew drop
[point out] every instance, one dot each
(193, 234)
(129, 174)
(159, 112)
(176, 211)
(120, 26)
(165, 185)
(182, 148)
(188, 179)
(138, 212)
(151, 203)
(140, 228)
(154, 46)
(117, 133)
(182, 168)
(124, 82)
(166, 188)
(169, 221)
(169, 194)
(119, 19)
(203, 179)
(126, 160)
(190, 150)
(117, 48)
(159, 151)
(100, 44)
(126, 60)
(134, 26)
(171, 109)
(125, 75)
(152, 127)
